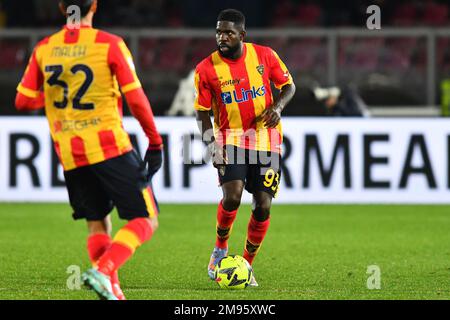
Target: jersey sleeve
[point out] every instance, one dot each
(279, 74)
(203, 94)
(122, 66)
(32, 79)
(141, 109)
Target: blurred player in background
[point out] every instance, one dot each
(76, 73)
(234, 82)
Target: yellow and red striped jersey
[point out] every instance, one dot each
(80, 71)
(238, 91)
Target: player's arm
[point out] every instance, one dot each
(219, 157)
(272, 115)
(202, 106)
(121, 63)
(280, 76)
(141, 109)
(29, 95)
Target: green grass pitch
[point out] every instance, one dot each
(310, 252)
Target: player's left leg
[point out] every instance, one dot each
(263, 182)
(258, 224)
(136, 232)
(257, 227)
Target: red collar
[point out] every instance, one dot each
(83, 26)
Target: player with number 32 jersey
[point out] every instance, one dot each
(78, 74)
(80, 71)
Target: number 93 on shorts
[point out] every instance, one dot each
(266, 179)
(258, 171)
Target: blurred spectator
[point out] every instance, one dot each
(344, 102)
(184, 99)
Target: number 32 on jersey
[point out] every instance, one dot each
(54, 80)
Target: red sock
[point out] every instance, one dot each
(255, 235)
(97, 244)
(127, 239)
(225, 221)
(115, 277)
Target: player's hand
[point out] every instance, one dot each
(153, 159)
(218, 154)
(271, 117)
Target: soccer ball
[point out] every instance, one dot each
(233, 272)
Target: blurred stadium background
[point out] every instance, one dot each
(398, 70)
(320, 251)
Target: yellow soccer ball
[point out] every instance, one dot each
(233, 272)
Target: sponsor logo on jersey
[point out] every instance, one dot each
(243, 95)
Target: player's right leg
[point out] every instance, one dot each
(226, 214)
(232, 183)
(90, 202)
(99, 241)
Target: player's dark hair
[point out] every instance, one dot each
(232, 15)
(84, 5)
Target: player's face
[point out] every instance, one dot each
(228, 38)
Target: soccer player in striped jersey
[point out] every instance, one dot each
(235, 83)
(76, 74)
